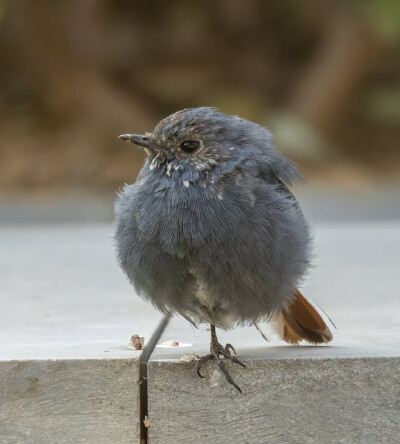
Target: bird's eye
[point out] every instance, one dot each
(189, 146)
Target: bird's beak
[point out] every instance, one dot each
(137, 139)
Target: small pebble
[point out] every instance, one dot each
(136, 342)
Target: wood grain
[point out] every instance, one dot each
(69, 401)
(283, 401)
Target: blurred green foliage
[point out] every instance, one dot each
(383, 16)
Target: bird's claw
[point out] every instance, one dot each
(200, 362)
(218, 350)
(230, 346)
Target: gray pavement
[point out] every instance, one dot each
(64, 296)
(355, 279)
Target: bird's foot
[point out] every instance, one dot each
(217, 350)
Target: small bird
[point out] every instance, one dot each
(210, 231)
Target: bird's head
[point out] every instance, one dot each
(199, 140)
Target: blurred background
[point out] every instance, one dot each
(323, 75)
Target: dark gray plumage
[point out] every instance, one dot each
(213, 235)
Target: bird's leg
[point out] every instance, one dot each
(217, 350)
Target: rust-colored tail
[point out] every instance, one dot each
(302, 320)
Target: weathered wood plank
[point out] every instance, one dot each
(69, 401)
(283, 401)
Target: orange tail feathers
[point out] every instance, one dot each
(304, 320)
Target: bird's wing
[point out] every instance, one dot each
(285, 190)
